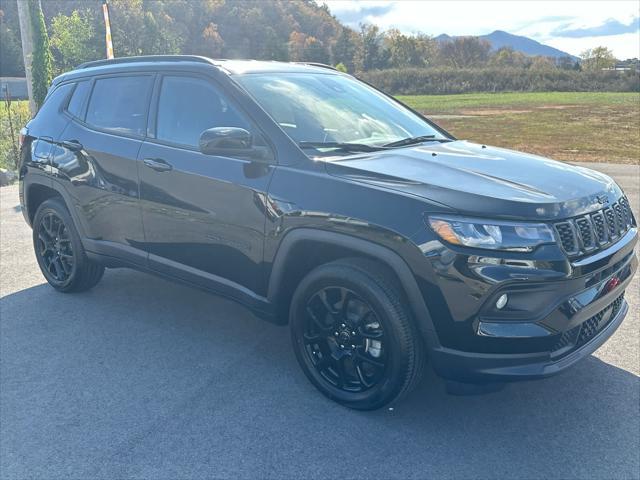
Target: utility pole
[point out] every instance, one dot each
(26, 34)
(107, 29)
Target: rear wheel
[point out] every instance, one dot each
(59, 251)
(352, 335)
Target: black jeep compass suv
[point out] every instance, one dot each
(320, 202)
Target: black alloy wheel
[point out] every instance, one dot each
(344, 339)
(54, 247)
(353, 334)
(59, 251)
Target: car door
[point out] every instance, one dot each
(203, 215)
(96, 158)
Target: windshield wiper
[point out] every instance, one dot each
(347, 147)
(414, 140)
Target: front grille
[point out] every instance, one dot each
(580, 335)
(588, 233)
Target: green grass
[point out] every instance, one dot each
(19, 116)
(571, 126)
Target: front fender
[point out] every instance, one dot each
(365, 247)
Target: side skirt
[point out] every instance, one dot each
(113, 255)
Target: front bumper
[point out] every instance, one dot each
(487, 367)
(558, 312)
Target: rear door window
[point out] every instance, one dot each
(119, 104)
(79, 99)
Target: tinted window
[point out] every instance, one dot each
(120, 104)
(78, 99)
(189, 106)
(54, 100)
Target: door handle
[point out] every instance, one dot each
(157, 164)
(72, 145)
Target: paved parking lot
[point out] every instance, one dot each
(143, 378)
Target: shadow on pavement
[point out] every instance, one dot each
(144, 378)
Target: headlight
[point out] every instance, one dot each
(491, 234)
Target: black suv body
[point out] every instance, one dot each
(495, 265)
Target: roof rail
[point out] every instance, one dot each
(145, 58)
(317, 64)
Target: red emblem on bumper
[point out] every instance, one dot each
(611, 284)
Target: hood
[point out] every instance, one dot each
(483, 181)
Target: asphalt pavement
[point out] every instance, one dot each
(144, 378)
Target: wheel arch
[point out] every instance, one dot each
(289, 266)
(36, 195)
(37, 191)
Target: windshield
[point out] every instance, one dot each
(315, 109)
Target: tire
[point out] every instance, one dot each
(337, 313)
(59, 251)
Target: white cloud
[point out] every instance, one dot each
(535, 19)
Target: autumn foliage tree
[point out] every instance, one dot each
(291, 30)
(598, 58)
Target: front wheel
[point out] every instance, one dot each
(352, 335)
(59, 250)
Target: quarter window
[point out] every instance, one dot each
(189, 106)
(78, 99)
(119, 104)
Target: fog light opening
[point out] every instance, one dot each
(502, 301)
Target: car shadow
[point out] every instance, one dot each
(147, 378)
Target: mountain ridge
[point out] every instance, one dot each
(499, 39)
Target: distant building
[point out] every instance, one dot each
(16, 86)
(632, 64)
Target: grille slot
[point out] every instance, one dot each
(611, 222)
(587, 233)
(620, 217)
(567, 235)
(626, 208)
(600, 228)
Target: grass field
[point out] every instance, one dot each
(571, 126)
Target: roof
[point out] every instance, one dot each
(236, 67)
(173, 62)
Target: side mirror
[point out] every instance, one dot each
(229, 142)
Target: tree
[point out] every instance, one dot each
(508, 57)
(540, 62)
(314, 51)
(566, 63)
(74, 40)
(41, 63)
(599, 58)
(341, 67)
(373, 54)
(11, 64)
(212, 43)
(346, 49)
(143, 28)
(296, 46)
(306, 48)
(464, 52)
(409, 50)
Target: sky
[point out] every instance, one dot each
(569, 25)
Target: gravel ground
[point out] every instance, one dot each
(143, 378)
